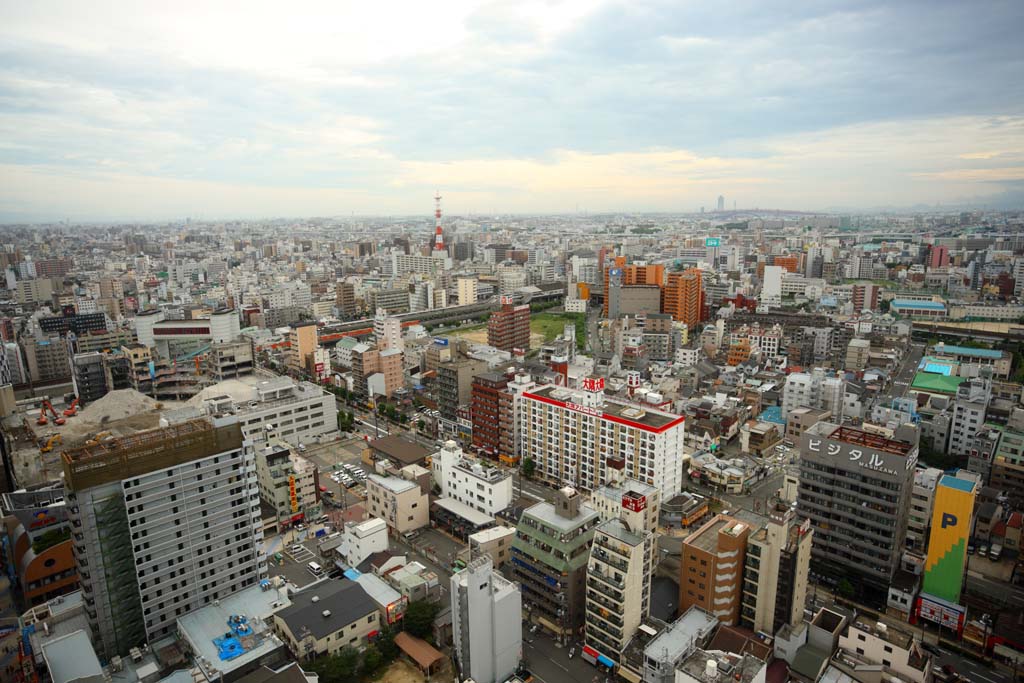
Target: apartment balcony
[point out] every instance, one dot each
(595, 598)
(596, 638)
(599, 555)
(614, 633)
(593, 572)
(606, 620)
(621, 552)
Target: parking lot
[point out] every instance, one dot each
(294, 561)
(439, 547)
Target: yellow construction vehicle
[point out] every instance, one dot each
(96, 439)
(50, 443)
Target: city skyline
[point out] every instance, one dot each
(118, 112)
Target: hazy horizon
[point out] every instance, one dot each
(117, 111)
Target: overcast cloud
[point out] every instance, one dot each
(114, 110)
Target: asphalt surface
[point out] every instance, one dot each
(973, 671)
(550, 662)
(905, 375)
(664, 594)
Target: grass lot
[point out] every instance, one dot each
(550, 325)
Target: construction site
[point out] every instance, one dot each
(40, 429)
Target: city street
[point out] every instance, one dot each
(760, 492)
(908, 368)
(550, 663)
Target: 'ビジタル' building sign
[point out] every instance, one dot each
(859, 455)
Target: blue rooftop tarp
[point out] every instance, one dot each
(352, 574)
(228, 648)
(772, 414)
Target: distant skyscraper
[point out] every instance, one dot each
(721, 203)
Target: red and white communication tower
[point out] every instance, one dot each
(438, 234)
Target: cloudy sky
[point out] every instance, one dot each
(127, 110)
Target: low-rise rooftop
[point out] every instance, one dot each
(242, 615)
(393, 484)
(546, 514)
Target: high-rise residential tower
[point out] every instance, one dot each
(164, 522)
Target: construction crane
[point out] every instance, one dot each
(72, 409)
(57, 419)
(53, 441)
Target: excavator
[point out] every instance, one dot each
(57, 419)
(96, 439)
(72, 409)
(53, 441)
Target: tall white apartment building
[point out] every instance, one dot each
(487, 623)
(387, 330)
(771, 290)
(576, 438)
(467, 290)
(163, 522)
(969, 408)
(482, 487)
(922, 498)
(621, 565)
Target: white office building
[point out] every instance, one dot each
(359, 541)
(164, 522)
(814, 390)
(265, 405)
(487, 626)
(771, 290)
(481, 486)
(577, 438)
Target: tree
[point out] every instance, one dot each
(421, 424)
(339, 668)
(528, 468)
(372, 661)
(845, 589)
(419, 618)
(386, 644)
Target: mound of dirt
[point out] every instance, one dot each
(117, 405)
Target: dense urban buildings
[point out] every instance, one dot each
(641, 438)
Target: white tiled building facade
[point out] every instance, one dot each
(573, 437)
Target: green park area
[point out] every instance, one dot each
(550, 325)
